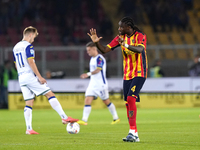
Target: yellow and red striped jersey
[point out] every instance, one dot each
(134, 64)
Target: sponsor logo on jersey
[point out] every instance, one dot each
(32, 51)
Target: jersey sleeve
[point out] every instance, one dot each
(141, 40)
(114, 43)
(30, 53)
(100, 63)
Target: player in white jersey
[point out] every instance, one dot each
(31, 81)
(98, 86)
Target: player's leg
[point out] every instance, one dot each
(55, 104)
(87, 109)
(132, 97)
(126, 85)
(90, 95)
(29, 99)
(104, 95)
(43, 89)
(112, 109)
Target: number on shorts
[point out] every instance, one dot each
(133, 88)
(102, 93)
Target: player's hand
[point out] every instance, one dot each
(42, 80)
(93, 35)
(84, 75)
(121, 40)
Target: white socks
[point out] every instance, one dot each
(86, 112)
(87, 109)
(28, 117)
(57, 107)
(113, 111)
(133, 132)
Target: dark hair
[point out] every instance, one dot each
(90, 44)
(130, 22)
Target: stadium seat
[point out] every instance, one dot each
(196, 4)
(151, 37)
(197, 36)
(14, 39)
(163, 38)
(3, 41)
(182, 54)
(40, 23)
(176, 38)
(52, 30)
(196, 29)
(55, 40)
(26, 23)
(169, 54)
(42, 40)
(11, 31)
(189, 38)
(40, 29)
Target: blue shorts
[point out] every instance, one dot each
(132, 87)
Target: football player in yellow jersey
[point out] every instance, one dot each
(133, 45)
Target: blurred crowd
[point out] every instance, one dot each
(164, 13)
(74, 18)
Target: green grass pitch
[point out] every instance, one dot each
(159, 129)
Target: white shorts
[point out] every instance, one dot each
(102, 93)
(35, 88)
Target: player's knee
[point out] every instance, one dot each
(107, 101)
(49, 94)
(131, 99)
(88, 100)
(30, 102)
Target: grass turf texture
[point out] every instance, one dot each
(166, 129)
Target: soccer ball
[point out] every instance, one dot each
(73, 128)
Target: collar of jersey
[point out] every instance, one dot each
(131, 34)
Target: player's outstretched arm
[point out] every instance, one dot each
(35, 70)
(96, 39)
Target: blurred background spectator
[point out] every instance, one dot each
(156, 71)
(194, 68)
(69, 21)
(7, 72)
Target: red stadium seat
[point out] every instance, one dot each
(52, 30)
(11, 31)
(42, 40)
(3, 41)
(14, 39)
(55, 40)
